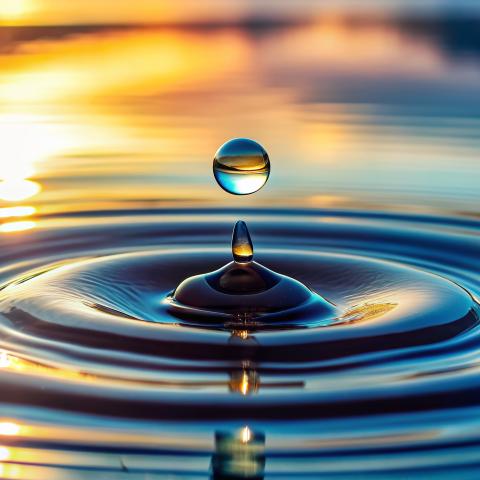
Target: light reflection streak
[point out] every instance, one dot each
(246, 435)
(245, 381)
(139, 61)
(18, 189)
(12, 227)
(23, 211)
(9, 428)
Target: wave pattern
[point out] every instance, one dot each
(97, 376)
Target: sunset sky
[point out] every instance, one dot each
(52, 12)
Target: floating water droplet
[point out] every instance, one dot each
(241, 166)
(242, 247)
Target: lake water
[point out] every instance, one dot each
(108, 201)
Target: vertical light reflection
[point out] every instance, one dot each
(239, 454)
(244, 383)
(246, 435)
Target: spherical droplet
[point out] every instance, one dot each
(241, 166)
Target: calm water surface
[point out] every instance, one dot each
(107, 202)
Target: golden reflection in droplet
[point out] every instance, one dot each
(245, 435)
(4, 453)
(12, 227)
(22, 211)
(9, 428)
(242, 246)
(243, 251)
(243, 334)
(245, 381)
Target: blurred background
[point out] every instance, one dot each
(111, 104)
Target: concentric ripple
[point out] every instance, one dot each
(388, 386)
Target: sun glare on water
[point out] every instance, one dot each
(11, 10)
(21, 144)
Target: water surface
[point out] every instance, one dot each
(108, 202)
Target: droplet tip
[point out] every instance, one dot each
(242, 247)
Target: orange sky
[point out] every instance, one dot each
(54, 12)
(21, 12)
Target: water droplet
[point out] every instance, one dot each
(242, 247)
(241, 166)
(244, 295)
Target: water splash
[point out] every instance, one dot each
(245, 294)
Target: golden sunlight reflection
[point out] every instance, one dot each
(4, 359)
(146, 62)
(4, 454)
(368, 311)
(102, 118)
(9, 428)
(22, 211)
(11, 10)
(18, 189)
(21, 226)
(23, 142)
(246, 435)
(244, 384)
(245, 381)
(19, 365)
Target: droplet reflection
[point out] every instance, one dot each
(241, 166)
(239, 455)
